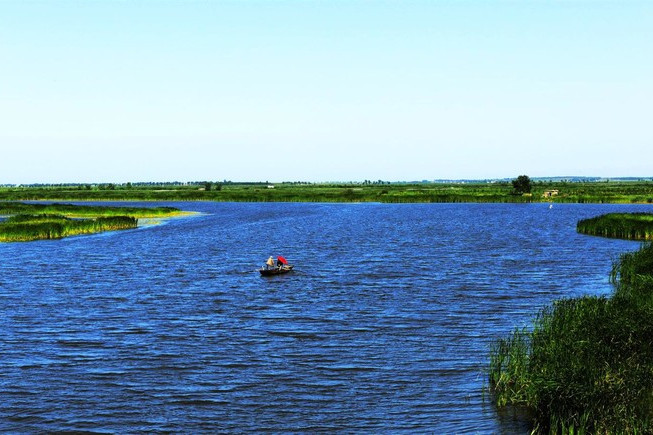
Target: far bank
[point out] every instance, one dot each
(622, 192)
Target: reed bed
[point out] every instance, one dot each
(22, 228)
(69, 210)
(633, 226)
(54, 221)
(587, 363)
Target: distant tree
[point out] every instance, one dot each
(522, 184)
(208, 185)
(128, 186)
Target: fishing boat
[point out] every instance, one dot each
(281, 267)
(275, 271)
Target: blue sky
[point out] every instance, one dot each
(117, 91)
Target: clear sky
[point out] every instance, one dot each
(332, 90)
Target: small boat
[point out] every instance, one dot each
(281, 267)
(275, 270)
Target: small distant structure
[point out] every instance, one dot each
(270, 186)
(550, 193)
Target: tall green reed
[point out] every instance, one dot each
(38, 227)
(634, 226)
(587, 363)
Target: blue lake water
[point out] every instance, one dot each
(385, 326)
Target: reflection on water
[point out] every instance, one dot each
(385, 324)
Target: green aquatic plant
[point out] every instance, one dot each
(70, 210)
(632, 275)
(587, 363)
(22, 228)
(53, 221)
(34, 218)
(509, 359)
(633, 226)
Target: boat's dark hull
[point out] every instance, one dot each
(275, 271)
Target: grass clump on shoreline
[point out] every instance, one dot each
(587, 364)
(81, 211)
(23, 228)
(633, 226)
(28, 222)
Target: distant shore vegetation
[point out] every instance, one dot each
(27, 222)
(536, 190)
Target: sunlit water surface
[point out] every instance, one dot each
(385, 326)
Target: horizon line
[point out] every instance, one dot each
(366, 181)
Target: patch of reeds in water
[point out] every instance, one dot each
(587, 364)
(70, 210)
(633, 226)
(22, 228)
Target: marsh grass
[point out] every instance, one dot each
(509, 360)
(23, 228)
(633, 226)
(54, 221)
(632, 275)
(587, 364)
(84, 211)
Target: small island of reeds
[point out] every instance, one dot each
(27, 222)
(587, 364)
(632, 226)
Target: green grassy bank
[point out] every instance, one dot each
(573, 192)
(53, 221)
(587, 364)
(633, 226)
(85, 211)
(23, 228)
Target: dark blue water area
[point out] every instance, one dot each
(384, 326)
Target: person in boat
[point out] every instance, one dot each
(279, 264)
(270, 263)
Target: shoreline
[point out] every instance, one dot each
(630, 192)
